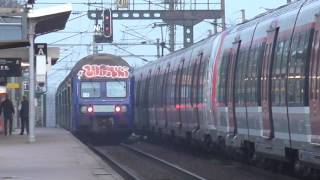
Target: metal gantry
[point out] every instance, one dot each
(172, 12)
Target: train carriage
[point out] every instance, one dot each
(253, 88)
(96, 96)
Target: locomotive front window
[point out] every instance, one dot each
(90, 89)
(116, 89)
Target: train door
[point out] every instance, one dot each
(231, 87)
(267, 62)
(314, 88)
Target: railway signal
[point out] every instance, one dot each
(107, 23)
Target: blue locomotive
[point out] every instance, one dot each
(96, 96)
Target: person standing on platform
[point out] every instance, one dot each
(7, 109)
(24, 115)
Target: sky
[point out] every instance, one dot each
(79, 31)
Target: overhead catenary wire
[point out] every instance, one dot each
(82, 15)
(67, 38)
(143, 59)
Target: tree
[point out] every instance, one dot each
(10, 3)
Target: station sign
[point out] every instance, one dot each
(41, 49)
(13, 85)
(10, 67)
(90, 71)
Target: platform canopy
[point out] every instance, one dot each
(50, 19)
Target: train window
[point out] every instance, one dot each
(223, 77)
(316, 77)
(158, 89)
(140, 90)
(176, 85)
(152, 89)
(146, 91)
(180, 81)
(189, 81)
(90, 89)
(194, 68)
(199, 85)
(117, 89)
(256, 74)
(237, 82)
(203, 77)
(165, 86)
(184, 85)
(251, 69)
(250, 75)
(313, 66)
(171, 87)
(276, 73)
(241, 77)
(298, 68)
(283, 72)
(244, 75)
(137, 93)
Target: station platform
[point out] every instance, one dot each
(56, 154)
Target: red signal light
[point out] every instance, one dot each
(107, 23)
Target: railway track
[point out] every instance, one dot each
(145, 161)
(135, 164)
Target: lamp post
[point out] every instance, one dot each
(31, 36)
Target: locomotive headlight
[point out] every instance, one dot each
(117, 108)
(90, 109)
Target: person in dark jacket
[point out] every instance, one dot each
(24, 115)
(7, 109)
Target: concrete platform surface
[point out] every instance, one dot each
(56, 155)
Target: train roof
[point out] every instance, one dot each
(269, 14)
(104, 58)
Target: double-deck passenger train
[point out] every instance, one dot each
(96, 96)
(254, 88)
